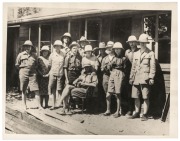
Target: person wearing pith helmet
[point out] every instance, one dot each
(106, 63)
(85, 80)
(56, 63)
(66, 40)
(116, 78)
(142, 76)
(90, 58)
(72, 70)
(82, 42)
(132, 41)
(102, 53)
(26, 62)
(43, 70)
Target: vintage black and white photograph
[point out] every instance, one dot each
(89, 68)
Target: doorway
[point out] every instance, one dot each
(12, 79)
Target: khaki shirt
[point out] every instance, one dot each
(27, 61)
(88, 78)
(106, 64)
(73, 62)
(56, 62)
(143, 67)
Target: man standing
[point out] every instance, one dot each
(142, 76)
(82, 42)
(132, 41)
(26, 63)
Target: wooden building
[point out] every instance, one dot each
(96, 25)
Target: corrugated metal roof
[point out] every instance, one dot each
(47, 14)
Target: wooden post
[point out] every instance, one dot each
(29, 32)
(166, 109)
(39, 40)
(100, 30)
(85, 32)
(69, 26)
(156, 37)
(51, 45)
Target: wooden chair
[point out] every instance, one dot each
(89, 94)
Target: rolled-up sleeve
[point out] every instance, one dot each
(66, 62)
(50, 60)
(95, 80)
(152, 66)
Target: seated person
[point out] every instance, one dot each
(80, 85)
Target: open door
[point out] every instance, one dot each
(12, 79)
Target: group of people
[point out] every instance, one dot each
(74, 67)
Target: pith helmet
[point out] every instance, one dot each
(58, 43)
(132, 38)
(88, 48)
(109, 44)
(143, 38)
(117, 45)
(74, 43)
(66, 35)
(101, 45)
(83, 39)
(45, 48)
(28, 43)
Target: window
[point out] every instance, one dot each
(34, 32)
(45, 35)
(77, 29)
(158, 27)
(93, 31)
(164, 38)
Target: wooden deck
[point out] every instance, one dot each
(43, 122)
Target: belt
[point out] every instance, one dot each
(73, 69)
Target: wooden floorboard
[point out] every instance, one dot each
(21, 122)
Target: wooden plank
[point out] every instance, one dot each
(74, 122)
(166, 77)
(72, 128)
(166, 109)
(37, 124)
(66, 123)
(167, 83)
(26, 127)
(7, 131)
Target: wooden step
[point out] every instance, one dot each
(34, 122)
(16, 121)
(21, 125)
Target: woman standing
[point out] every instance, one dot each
(90, 58)
(43, 70)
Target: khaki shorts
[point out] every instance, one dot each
(141, 89)
(55, 83)
(28, 80)
(115, 82)
(79, 92)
